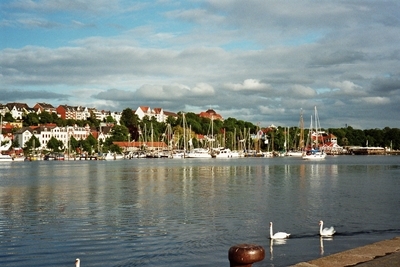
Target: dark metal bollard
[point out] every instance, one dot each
(244, 255)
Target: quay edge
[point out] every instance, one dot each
(387, 252)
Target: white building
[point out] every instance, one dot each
(158, 113)
(45, 133)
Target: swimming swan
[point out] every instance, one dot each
(278, 235)
(325, 231)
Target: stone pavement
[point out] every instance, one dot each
(382, 254)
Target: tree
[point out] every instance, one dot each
(32, 143)
(15, 143)
(131, 122)
(85, 145)
(46, 117)
(171, 121)
(119, 133)
(73, 144)
(128, 118)
(55, 144)
(110, 119)
(8, 117)
(31, 119)
(92, 120)
(92, 142)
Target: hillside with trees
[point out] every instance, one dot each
(227, 133)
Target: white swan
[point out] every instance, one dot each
(325, 231)
(278, 235)
(77, 262)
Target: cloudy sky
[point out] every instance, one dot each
(256, 60)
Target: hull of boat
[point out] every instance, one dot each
(314, 157)
(198, 155)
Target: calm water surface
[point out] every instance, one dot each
(163, 212)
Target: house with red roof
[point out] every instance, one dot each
(210, 114)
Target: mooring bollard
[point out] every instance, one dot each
(244, 255)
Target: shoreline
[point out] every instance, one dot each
(386, 252)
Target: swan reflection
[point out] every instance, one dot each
(273, 242)
(321, 243)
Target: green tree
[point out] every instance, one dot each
(73, 143)
(85, 146)
(46, 117)
(119, 133)
(30, 119)
(92, 120)
(128, 118)
(8, 117)
(92, 142)
(110, 119)
(15, 143)
(55, 144)
(32, 143)
(171, 121)
(131, 122)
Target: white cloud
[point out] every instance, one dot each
(301, 91)
(348, 88)
(379, 101)
(203, 89)
(201, 54)
(248, 85)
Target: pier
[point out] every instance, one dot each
(358, 150)
(380, 254)
(383, 254)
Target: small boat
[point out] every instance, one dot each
(54, 156)
(199, 153)
(177, 154)
(224, 153)
(5, 158)
(295, 153)
(113, 156)
(314, 154)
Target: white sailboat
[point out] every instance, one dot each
(200, 152)
(299, 149)
(314, 153)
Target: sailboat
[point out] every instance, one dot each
(314, 153)
(200, 152)
(300, 148)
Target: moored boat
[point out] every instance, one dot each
(113, 156)
(225, 153)
(5, 158)
(313, 138)
(199, 153)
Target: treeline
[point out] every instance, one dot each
(230, 133)
(386, 137)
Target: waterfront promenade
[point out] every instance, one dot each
(383, 254)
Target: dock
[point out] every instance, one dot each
(383, 254)
(358, 150)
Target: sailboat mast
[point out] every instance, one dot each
(184, 134)
(316, 126)
(301, 143)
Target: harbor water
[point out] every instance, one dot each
(189, 212)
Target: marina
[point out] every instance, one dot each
(189, 212)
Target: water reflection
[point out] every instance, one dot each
(275, 242)
(187, 213)
(321, 243)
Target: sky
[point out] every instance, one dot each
(260, 61)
